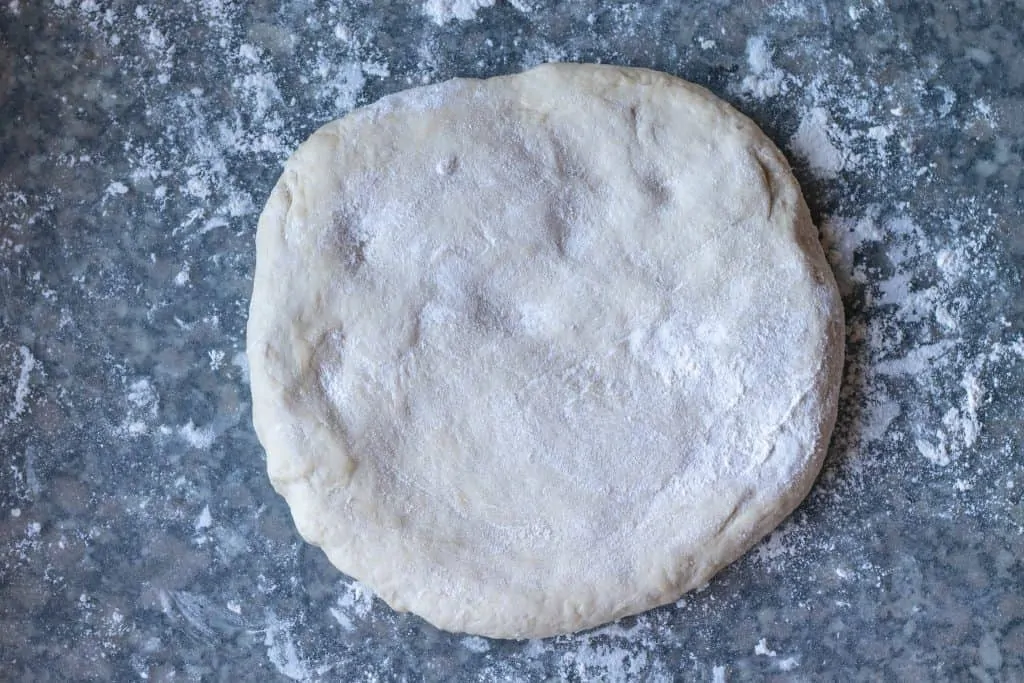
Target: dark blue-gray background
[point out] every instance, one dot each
(139, 536)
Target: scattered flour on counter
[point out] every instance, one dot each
(25, 483)
(354, 604)
(476, 644)
(197, 437)
(249, 53)
(615, 663)
(142, 395)
(142, 406)
(259, 89)
(906, 331)
(790, 10)
(942, 428)
(343, 82)
(115, 189)
(443, 11)
(614, 653)
(23, 546)
(241, 361)
(282, 650)
(205, 520)
(216, 357)
(762, 649)
(915, 386)
(788, 664)
(936, 452)
(194, 608)
(779, 545)
(815, 141)
(764, 79)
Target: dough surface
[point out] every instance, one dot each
(533, 353)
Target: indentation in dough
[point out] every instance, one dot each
(657, 189)
(286, 204)
(447, 165)
(492, 315)
(349, 241)
(557, 223)
(766, 177)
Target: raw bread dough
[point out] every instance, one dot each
(533, 353)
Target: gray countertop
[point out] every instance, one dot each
(139, 535)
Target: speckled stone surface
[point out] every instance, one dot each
(139, 535)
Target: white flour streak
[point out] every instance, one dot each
(935, 453)
(21, 389)
(205, 519)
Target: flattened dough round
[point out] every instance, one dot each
(533, 353)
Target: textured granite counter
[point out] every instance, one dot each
(139, 535)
